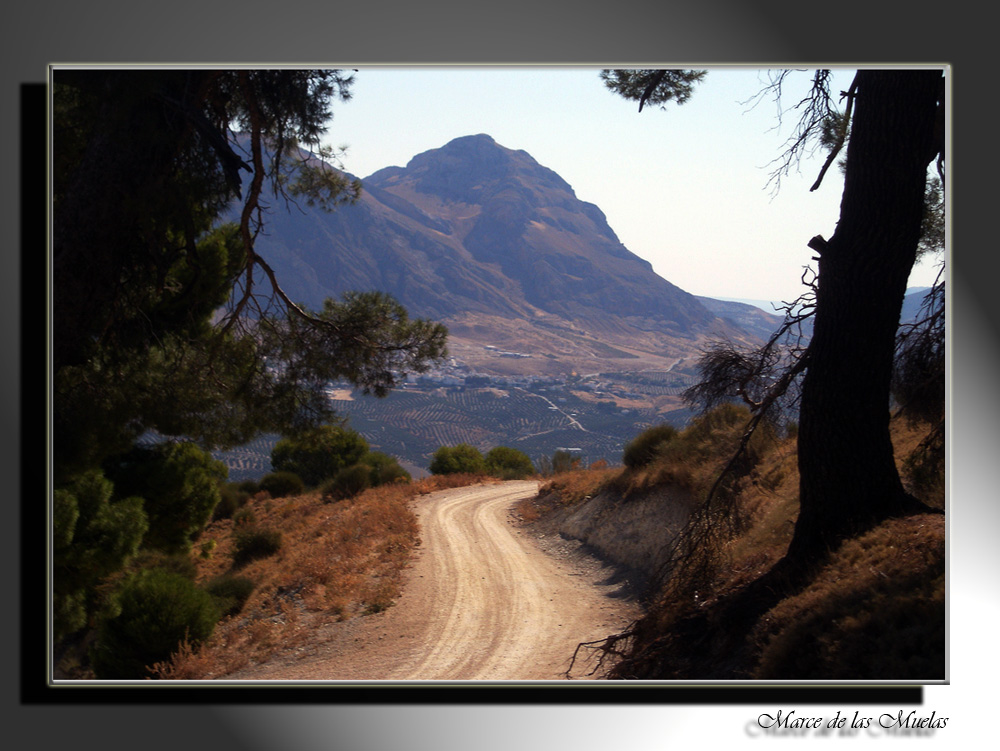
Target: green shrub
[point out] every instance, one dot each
(564, 461)
(251, 544)
(509, 464)
(93, 537)
(230, 593)
(65, 515)
(642, 449)
(225, 508)
(319, 454)
(179, 483)
(155, 611)
(384, 469)
(250, 487)
(460, 459)
(348, 483)
(245, 517)
(282, 484)
(231, 498)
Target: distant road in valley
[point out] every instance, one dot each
(572, 420)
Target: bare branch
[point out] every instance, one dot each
(251, 222)
(608, 649)
(817, 110)
(758, 376)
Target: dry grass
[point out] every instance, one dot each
(337, 561)
(876, 610)
(566, 489)
(570, 488)
(767, 499)
(695, 457)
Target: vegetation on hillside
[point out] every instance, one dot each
(508, 463)
(874, 610)
(276, 557)
(258, 581)
(501, 462)
(318, 454)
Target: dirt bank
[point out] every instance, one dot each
(633, 533)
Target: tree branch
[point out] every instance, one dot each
(816, 112)
(842, 131)
(648, 92)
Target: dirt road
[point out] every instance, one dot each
(484, 600)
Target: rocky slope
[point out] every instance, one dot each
(489, 241)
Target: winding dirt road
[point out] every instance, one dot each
(483, 600)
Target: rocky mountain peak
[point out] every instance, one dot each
(470, 169)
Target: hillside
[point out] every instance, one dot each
(875, 610)
(500, 249)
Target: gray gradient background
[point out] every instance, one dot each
(630, 31)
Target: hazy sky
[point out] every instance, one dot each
(685, 188)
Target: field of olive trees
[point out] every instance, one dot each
(412, 423)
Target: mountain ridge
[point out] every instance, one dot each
(487, 240)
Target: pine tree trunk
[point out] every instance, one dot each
(848, 475)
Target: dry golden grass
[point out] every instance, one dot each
(337, 561)
(566, 489)
(696, 455)
(527, 509)
(876, 610)
(767, 498)
(569, 488)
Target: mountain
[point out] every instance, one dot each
(750, 317)
(913, 303)
(500, 249)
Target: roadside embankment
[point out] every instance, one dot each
(633, 532)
